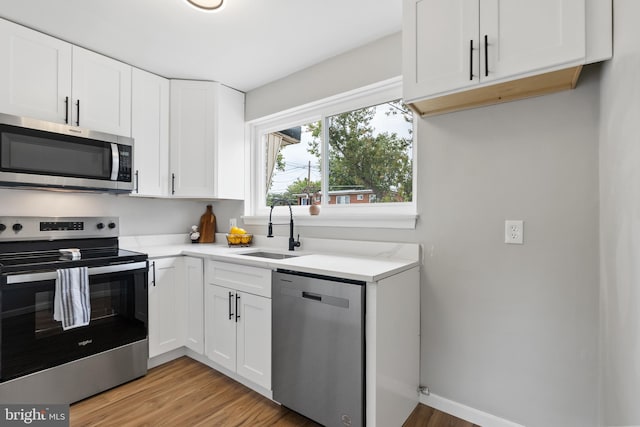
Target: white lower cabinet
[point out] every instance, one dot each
(176, 304)
(237, 323)
(194, 276)
(166, 305)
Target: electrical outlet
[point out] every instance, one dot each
(233, 222)
(514, 232)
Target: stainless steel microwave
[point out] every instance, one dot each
(35, 153)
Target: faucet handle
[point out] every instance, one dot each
(297, 242)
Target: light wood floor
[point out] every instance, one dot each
(187, 393)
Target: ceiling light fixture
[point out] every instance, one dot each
(207, 5)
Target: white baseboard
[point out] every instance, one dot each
(465, 412)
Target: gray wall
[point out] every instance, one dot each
(508, 330)
(138, 216)
(339, 74)
(620, 221)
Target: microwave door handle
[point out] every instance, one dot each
(52, 275)
(115, 162)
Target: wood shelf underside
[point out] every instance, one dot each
(527, 87)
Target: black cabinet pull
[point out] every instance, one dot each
(173, 183)
(230, 298)
(66, 110)
(237, 299)
(153, 265)
(470, 59)
(78, 113)
(486, 55)
(137, 180)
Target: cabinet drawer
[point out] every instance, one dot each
(243, 278)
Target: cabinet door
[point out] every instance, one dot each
(35, 73)
(192, 138)
(440, 46)
(254, 339)
(102, 86)
(150, 130)
(195, 304)
(230, 143)
(220, 325)
(526, 36)
(166, 305)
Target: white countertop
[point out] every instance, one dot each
(356, 260)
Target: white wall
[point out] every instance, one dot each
(138, 216)
(507, 330)
(620, 221)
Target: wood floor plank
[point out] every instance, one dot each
(185, 392)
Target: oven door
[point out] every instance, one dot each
(30, 340)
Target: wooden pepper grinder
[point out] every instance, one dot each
(208, 226)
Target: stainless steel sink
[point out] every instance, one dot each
(270, 255)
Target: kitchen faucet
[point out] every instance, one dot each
(292, 243)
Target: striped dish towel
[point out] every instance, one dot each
(71, 303)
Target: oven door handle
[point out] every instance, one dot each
(53, 275)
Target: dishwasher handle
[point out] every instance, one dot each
(311, 296)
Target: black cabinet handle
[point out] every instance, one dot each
(173, 183)
(153, 265)
(78, 113)
(486, 55)
(470, 59)
(66, 110)
(230, 298)
(314, 297)
(137, 180)
(237, 299)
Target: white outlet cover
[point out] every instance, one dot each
(514, 232)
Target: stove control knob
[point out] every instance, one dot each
(17, 227)
(100, 226)
(3, 227)
(112, 225)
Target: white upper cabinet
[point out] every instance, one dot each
(35, 74)
(150, 130)
(101, 93)
(48, 79)
(525, 36)
(192, 138)
(445, 32)
(206, 140)
(487, 51)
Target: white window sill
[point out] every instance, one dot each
(330, 219)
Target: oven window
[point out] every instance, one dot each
(106, 301)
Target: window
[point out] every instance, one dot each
(357, 149)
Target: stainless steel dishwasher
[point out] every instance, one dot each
(318, 347)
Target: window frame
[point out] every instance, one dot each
(376, 215)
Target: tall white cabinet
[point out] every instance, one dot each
(48, 79)
(207, 140)
(150, 130)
